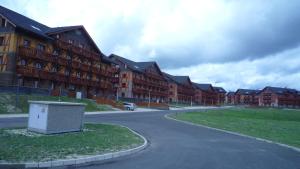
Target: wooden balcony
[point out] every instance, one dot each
(28, 71)
(62, 61)
(33, 53)
(61, 78)
(95, 69)
(85, 67)
(63, 45)
(75, 64)
(154, 76)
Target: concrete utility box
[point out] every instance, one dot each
(50, 117)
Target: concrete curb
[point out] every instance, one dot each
(82, 160)
(167, 116)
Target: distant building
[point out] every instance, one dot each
(141, 80)
(246, 97)
(220, 92)
(230, 98)
(279, 97)
(180, 89)
(205, 94)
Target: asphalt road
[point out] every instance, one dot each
(175, 145)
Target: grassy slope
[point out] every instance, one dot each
(8, 103)
(98, 138)
(274, 124)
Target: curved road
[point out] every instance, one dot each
(175, 145)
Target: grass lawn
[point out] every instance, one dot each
(8, 103)
(278, 125)
(18, 145)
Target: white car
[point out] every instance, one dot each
(129, 106)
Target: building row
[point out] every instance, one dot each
(268, 96)
(67, 60)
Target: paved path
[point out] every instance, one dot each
(175, 145)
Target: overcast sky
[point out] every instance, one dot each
(229, 43)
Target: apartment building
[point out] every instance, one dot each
(279, 97)
(60, 58)
(141, 80)
(181, 89)
(205, 94)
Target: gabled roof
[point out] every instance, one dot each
(247, 91)
(280, 90)
(177, 79)
(24, 23)
(230, 93)
(134, 66)
(219, 89)
(203, 87)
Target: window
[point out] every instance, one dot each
(124, 75)
(35, 85)
(55, 52)
(78, 74)
(68, 57)
(40, 47)
(81, 45)
(123, 94)
(88, 77)
(53, 69)
(1, 59)
(124, 85)
(26, 43)
(70, 41)
(57, 36)
(2, 40)
(23, 62)
(67, 72)
(38, 66)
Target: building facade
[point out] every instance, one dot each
(141, 80)
(181, 89)
(205, 94)
(246, 97)
(221, 93)
(60, 58)
(279, 97)
(230, 98)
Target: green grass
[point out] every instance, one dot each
(8, 103)
(96, 139)
(278, 125)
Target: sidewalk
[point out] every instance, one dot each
(87, 113)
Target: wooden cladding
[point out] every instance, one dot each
(77, 50)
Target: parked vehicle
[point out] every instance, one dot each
(129, 106)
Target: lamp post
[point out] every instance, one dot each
(149, 99)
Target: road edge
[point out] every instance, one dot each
(82, 160)
(167, 116)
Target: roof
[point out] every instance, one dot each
(204, 87)
(24, 23)
(177, 79)
(247, 91)
(280, 90)
(134, 66)
(219, 89)
(230, 93)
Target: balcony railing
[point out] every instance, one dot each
(85, 67)
(33, 53)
